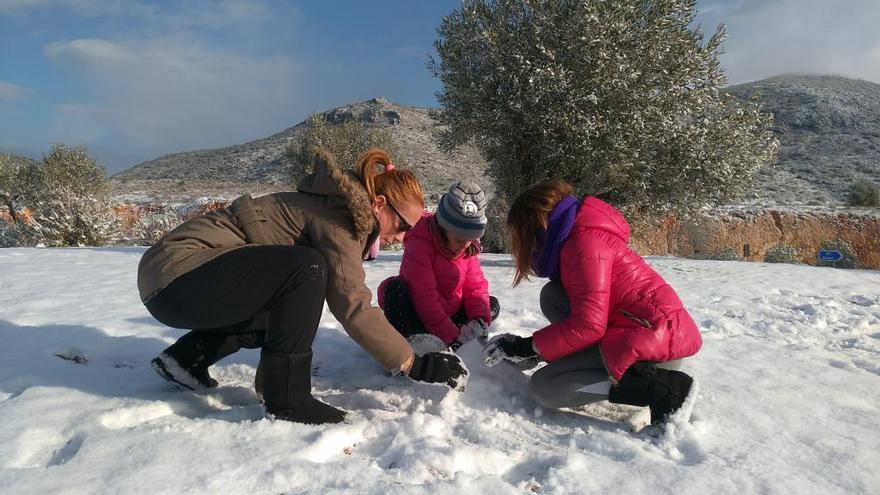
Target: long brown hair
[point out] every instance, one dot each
(398, 186)
(528, 214)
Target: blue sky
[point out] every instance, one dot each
(134, 80)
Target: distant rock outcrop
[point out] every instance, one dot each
(261, 164)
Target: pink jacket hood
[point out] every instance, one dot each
(597, 214)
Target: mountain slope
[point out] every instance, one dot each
(829, 133)
(828, 127)
(262, 161)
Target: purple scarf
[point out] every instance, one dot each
(559, 223)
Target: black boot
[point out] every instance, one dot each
(287, 389)
(643, 384)
(185, 363)
(494, 307)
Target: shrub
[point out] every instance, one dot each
(64, 218)
(346, 140)
(73, 205)
(152, 227)
(782, 254)
(16, 234)
(864, 193)
(19, 179)
(726, 254)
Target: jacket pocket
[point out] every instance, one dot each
(641, 321)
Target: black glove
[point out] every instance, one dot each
(509, 347)
(439, 367)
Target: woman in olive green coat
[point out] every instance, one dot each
(257, 274)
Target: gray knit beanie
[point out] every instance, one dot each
(462, 210)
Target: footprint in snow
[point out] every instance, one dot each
(38, 448)
(129, 417)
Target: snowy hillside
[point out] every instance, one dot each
(789, 378)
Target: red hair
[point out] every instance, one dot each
(399, 186)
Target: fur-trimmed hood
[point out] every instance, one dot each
(329, 180)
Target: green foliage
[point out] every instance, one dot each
(346, 140)
(496, 239)
(17, 234)
(73, 206)
(66, 219)
(782, 254)
(154, 226)
(864, 193)
(74, 170)
(19, 180)
(622, 99)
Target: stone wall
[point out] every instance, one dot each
(743, 235)
(750, 234)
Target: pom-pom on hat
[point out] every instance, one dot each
(462, 210)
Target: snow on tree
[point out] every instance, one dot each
(346, 140)
(19, 178)
(622, 99)
(152, 227)
(10, 234)
(74, 206)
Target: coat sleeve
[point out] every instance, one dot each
(349, 299)
(585, 263)
(475, 293)
(417, 270)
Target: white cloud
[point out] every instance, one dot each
(9, 91)
(208, 14)
(767, 38)
(15, 5)
(86, 8)
(172, 94)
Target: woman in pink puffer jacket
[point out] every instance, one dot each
(441, 289)
(618, 331)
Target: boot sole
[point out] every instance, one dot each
(161, 367)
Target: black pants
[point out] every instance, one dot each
(269, 296)
(576, 379)
(400, 312)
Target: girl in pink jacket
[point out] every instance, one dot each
(617, 330)
(441, 289)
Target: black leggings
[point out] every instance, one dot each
(402, 315)
(279, 289)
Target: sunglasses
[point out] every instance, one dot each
(402, 224)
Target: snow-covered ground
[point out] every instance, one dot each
(789, 377)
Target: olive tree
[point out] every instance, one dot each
(622, 99)
(73, 205)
